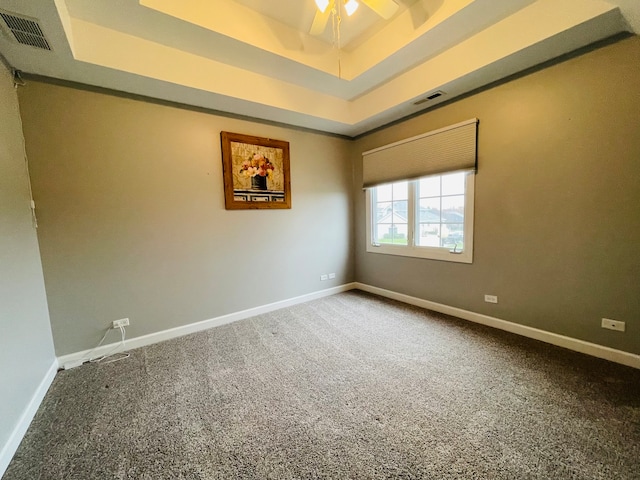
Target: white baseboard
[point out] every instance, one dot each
(9, 449)
(75, 359)
(595, 350)
(600, 351)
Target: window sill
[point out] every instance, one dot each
(430, 253)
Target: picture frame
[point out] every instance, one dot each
(256, 172)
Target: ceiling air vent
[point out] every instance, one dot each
(430, 97)
(25, 30)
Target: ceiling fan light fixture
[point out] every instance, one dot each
(322, 5)
(350, 7)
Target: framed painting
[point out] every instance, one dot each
(255, 172)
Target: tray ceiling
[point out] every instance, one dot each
(256, 58)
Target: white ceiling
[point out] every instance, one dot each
(255, 57)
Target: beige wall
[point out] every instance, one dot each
(133, 222)
(132, 218)
(557, 203)
(26, 346)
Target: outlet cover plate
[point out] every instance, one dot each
(613, 324)
(123, 322)
(491, 298)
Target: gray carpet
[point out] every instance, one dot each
(349, 386)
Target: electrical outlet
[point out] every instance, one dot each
(491, 298)
(613, 324)
(332, 276)
(324, 277)
(123, 322)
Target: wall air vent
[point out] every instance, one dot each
(431, 96)
(25, 30)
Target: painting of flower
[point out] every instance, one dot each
(259, 168)
(256, 172)
(257, 165)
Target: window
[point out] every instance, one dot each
(431, 217)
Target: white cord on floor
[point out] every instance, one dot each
(113, 356)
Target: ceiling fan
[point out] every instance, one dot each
(384, 8)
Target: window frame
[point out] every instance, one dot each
(416, 251)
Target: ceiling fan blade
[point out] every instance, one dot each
(320, 20)
(384, 8)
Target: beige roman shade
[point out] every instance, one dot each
(444, 150)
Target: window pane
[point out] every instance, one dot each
(453, 209)
(429, 235)
(383, 210)
(382, 229)
(453, 235)
(429, 210)
(392, 233)
(400, 234)
(391, 213)
(383, 193)
(430, 186)
(400, 211)
(401, 191)
(453, 184)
